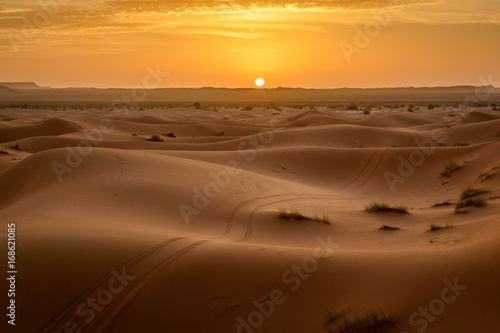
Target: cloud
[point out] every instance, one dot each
(231, 6)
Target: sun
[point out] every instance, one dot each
(259, 82)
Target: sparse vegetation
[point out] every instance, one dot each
(197, 106)
(388, 228)
(449, 168)
(330, 316)
(170, 135)
(478, 202)
(247, 108)
(487, 174)
(468, 198)
(352, 107)
(431, 106)
(156, 138)
(383, 207)
(295, 214)
(443, 203)
(371, 322)
(470, 192)
(435, 227)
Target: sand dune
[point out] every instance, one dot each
(184, 236)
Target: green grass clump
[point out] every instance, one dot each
(435, 227)
(371, 322)
(478, 202)
(449, 168)
(294, 214)
(470, 192)
(383, 207)
(156, 138)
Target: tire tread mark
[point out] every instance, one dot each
(373, 170)
(366, 167)
(58, 322)
(128, 294)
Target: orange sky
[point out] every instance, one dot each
(311, 44)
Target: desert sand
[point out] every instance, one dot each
(118, 233)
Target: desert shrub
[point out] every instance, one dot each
(156, 138)
(383, 207)
(435, 227)
(449, 168)
(352, 106)
(470, 192)
(371, 322)
(295, 214)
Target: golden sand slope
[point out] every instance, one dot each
(120, 234)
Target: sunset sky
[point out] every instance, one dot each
(310, 44)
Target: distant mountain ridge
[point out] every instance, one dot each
(21, 85)
(29, 92)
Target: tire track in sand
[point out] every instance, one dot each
(58, 322)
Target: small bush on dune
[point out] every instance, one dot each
(383, 207)
(470, 192)
(352, 107)
(297, 215)
(156, 138)
(435, 227)
(170, 135)
(449, 168)
(478, 202)
(371, 322)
